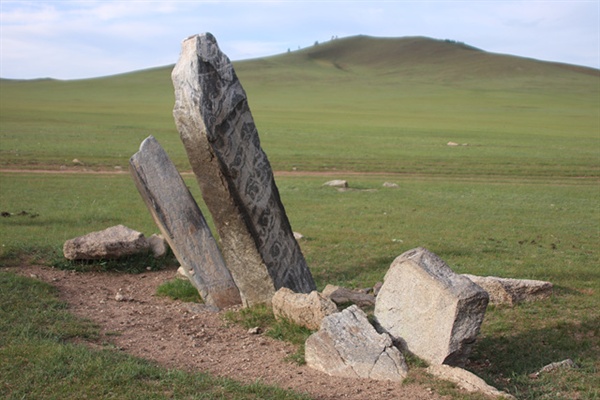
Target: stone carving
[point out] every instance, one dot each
(303, 309)
(435, 313)
(180, 220)
(512, 291)
(347, 345)
(111, 243)
(221, 140)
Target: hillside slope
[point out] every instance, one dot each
(359, 103)
(424, 56)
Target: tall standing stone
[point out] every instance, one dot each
(435, 313)
(182, 224)
(217, 129)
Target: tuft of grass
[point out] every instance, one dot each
(179, 289)
(38, 360)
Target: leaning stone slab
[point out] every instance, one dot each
(111, 243)
(306, 310)
(466, 380)
(182, 224)
(221, 140)
(435, 313)
(512, 291)
(347, 345)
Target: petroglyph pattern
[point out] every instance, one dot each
(235, 176)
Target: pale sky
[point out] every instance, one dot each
(73, 39)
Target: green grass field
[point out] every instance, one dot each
(520, 199)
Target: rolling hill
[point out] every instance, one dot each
(357, 103)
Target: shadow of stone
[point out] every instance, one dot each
(506, 360)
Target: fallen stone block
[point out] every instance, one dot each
(235, 177)
(512, 291)
(435, 313)
(306, 310)
(180, 220)
(111, 243)
(340, 295)
(347, 345)
(466, 380)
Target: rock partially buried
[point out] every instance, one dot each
(338, 183)
(347, 345)
(111, 243)
(340, 295)
(466, 380)
(221, 140)
(512, 291)
(306, 310)
(180, 220)
(435, 313)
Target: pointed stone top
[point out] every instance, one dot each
(205, 47)
(204, 80)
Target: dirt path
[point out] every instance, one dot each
(79, 170)
(184, 336)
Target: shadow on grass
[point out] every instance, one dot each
(134, 264)
(508, 360)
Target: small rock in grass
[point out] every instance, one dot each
(339, 183)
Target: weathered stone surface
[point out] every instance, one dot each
(564, 364)
(111, 243)
(466, 380)
(435, 313)
(158, 245)
(340, 295)
(182, 224)
(512, 291)
(339, 183)
(303, 309)
(347, 345)
(221, 140)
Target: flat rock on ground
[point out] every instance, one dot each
(171, 333)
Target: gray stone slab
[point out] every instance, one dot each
(217, 129)
(111, 243)
(347, 345)
(182, 224)
(435, 313)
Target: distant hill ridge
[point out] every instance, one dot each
(411, 56)
(371, 51)
(418, 52)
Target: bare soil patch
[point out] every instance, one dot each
(186, 336)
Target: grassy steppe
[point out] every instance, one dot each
(520, 200)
